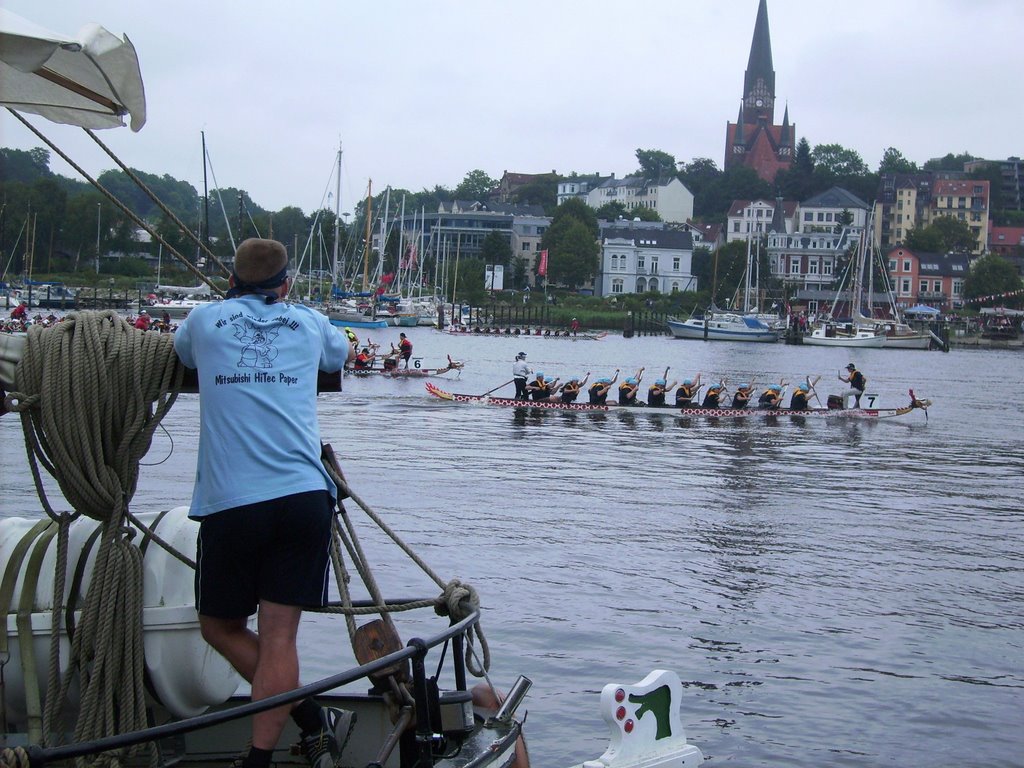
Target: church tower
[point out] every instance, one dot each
(754, 139)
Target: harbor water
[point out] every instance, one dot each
(832, 592)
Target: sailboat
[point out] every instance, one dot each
(344, 309)
(722, 325)
(858, 331)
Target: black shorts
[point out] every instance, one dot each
(276, 550)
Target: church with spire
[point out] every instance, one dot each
(754, 140)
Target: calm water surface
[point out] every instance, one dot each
(831, 593)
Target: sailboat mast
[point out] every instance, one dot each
(206, 203)
(366, 244)
(337, 221)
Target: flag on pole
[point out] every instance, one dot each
(542, 270)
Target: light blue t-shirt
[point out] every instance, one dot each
(259, 438)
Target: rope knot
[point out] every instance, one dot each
(16, 402)
(458, 600)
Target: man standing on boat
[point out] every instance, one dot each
(857, 383)
(263, 499)
(404, 348)
(520, 373)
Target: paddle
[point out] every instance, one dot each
(814, 391)
(485, 394)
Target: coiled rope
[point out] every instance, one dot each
(91, 390)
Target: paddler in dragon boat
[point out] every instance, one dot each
(771, 398)
(741, 398)
(629, 388)
(800, 401)
(364, 360)
(713, 397)
(687, 391)
(540, 389)
(657, 391)
(598, 391)
(571, 389)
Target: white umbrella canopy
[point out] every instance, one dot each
(91, 80)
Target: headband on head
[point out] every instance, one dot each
(265, 288)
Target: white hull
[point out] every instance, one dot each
(861, 339)
(725, 328)
(176, 310)
(910, 341)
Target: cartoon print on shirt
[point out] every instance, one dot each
(259, 350)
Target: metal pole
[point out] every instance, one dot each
(99, 207)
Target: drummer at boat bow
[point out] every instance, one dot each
(264, 501)
(857, 383)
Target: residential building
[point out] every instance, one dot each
(831, 211)
(669, 198)
(637, 257)
(710, 236)
(828, 226)
(1012, 172)
(754, 140)
(933, 279)
(527, 232)
(1006, 241)
(511, 182)
(579, 186)
(901, 204)
(458, 229)
(966, 200)
(752, 217)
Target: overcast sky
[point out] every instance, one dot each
(421, 93)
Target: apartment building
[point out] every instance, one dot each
(637, 259)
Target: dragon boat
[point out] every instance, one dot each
(416, 371)
(726, 413)
(516, 333)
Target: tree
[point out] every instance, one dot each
(496, 249)
(893, 161)
(27, 167)
(571, 243)
(542, 191)
(956, 235)
(992, 275)
(572, 252)
(797, 181)
(923, 240)
(655, 164)
(949, 162)
(944, 235)
(834, 160)
(576, 209)
(699, 174)
(611, 211)
(476, 185)
(645, 214)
